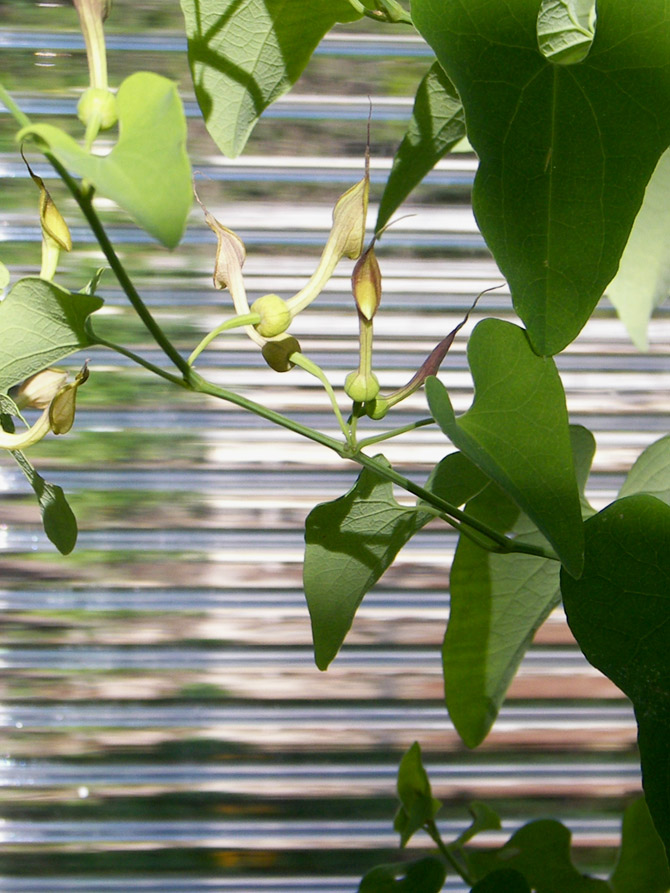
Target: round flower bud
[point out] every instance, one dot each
(276, 353)
(361, 388)
(274, 313)
(96, 101)
(377, 408)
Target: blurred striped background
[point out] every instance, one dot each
(164, 727)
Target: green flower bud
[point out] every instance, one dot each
(274, 313)
(58, 417)
(98, 102)
(376, 409)
(361, 386)
(277, 353)
(366, 284)
(62, 407)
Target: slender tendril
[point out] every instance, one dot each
(395, 432)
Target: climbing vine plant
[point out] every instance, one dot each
(567, 105)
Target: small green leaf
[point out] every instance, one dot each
(540, 852)
(60, 524)
(565, 30)
(517, 432)
(417, 804)
(483, 819)
(91, 286)
(565, 151)
(147, 172)
(40, 323)
(643, 280)
(619, 612)
(423, 876)
(437, 124)
(506, 880)
(642, 863)
(351, 541)
(244, 54)
(498, 602)
(349, 544)
(651, 472)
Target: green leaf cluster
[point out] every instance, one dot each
(567, 105)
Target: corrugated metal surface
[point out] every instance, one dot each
(164, 726)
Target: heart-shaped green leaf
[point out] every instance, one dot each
(498, 602)
(540, 852)
(40, 323)
(565, 151)
(244, 54)
(350, 542)
(147, 172)
(619, 612)
(437, 124)
(422, 876)
(517, 432)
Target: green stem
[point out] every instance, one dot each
(434, 834)
(136, 358)
(86, 205)
(448, 512)
(451, 511)
(20, 117)
(201, 386)
(395, 432)
(304, 363)
(247, 319)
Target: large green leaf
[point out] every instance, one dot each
(437, 124)
(565, 150)
(244, 54)
(540, 852)
(40, 323)
(619, 612)
(642, 863)
(425, 875)
(498, 602)
(517, 432)
(147, 172)
(350, 542)
(643, 280)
